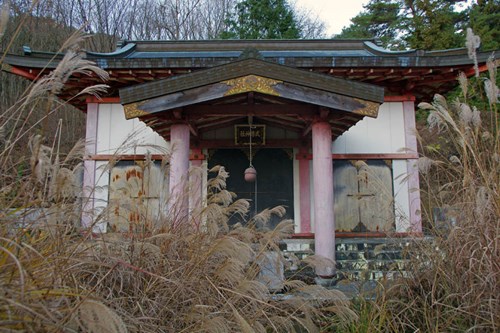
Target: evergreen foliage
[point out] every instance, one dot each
(263, 19)
(485, 21)
(425, 24)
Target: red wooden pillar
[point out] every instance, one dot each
(324, 224)
(179, 167)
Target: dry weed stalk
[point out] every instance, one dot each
(184, 279)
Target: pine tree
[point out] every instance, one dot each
(263, 19)
(416, 24)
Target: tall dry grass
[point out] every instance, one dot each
(453, 282)
(170, 277)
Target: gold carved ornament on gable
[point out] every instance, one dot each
(251, 83)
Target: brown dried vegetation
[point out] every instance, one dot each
(170, 277)
(453, 282)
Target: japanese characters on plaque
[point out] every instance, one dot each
(242, 134)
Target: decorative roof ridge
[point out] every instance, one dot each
(120, 52)
(378, 50)
(241, 44)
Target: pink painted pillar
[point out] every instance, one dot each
(411, 165)
(89, 165)
(324, 224)
(179, 168)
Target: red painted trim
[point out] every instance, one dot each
(93, 99)
(23, 73)
(303, 156)
(123, 157)
(138, 157)
(472, 71)
(401, 98)
(310, 235)
(308, 156)
(305, 195)
(196, 155)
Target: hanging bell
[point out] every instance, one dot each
(250, 174)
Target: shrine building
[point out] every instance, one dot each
(329, 126)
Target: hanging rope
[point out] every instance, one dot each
(250, 126)
(250, 172)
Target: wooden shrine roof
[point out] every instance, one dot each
(416, 72)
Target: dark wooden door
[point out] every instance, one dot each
(274, 185)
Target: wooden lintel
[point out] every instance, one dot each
(399, 98)
(211, 127)
(201, 111)
(219, 122)
(99, 100)
(405, 156)
(270, 143)
(282, 124)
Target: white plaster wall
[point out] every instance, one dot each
(117, 135)
(382, 135)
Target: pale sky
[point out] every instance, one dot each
(335, 13)
(338, 13)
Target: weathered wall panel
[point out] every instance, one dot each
(136, 195)
(363, 196)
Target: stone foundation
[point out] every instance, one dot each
(357, 258)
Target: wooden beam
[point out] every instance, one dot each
(285, 90)
(228, 143)
(390, 156)
(286, 125)
(219, 122)
(236, 121)
(203, 110)
(320, 98)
